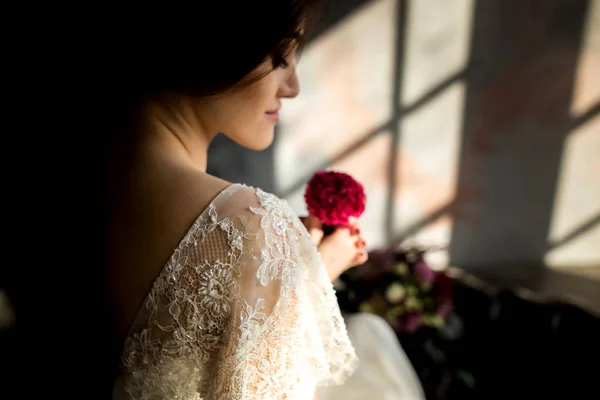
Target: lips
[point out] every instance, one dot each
(273, 114)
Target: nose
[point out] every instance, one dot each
(290, 86)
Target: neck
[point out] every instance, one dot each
(177, 132)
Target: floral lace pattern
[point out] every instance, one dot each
(242, 310)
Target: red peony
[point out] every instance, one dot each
(334, 197)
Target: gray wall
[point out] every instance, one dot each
(523, 102)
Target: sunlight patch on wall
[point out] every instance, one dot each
(578, 200)
(428, 165)
(438, 43)
(587, 76)
(345, 77)
(439, 34)
(578, 191)
(370, 165)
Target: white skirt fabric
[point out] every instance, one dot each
(384, 372)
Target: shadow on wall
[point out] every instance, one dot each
(517, 117)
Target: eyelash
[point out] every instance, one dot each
(280, 61)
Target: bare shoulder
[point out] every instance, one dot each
(163, 200)
(158, 208)
(252, 202)
(193, 191)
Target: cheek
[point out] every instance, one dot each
(256, 104)
(265, 90)
(249, 106)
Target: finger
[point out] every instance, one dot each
(354, 221)
(360, 243)
(364, 258)
(343, 231)
(361, 257)
(316, 235)
(354, 231)
(314, 228)
(355, 226)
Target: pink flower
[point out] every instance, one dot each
(445, 309)
(411, 321)
(424, 273)
(334, 197)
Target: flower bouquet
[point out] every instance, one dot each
(333, 198)
(399, 286)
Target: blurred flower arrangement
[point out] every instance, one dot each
(400, 286)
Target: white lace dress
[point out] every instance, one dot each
(244, 309)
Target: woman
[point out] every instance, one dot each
(218, 291)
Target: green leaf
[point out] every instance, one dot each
(466, 377)
(394, 313)
(433, 320)
(412, 303)
(412, 290)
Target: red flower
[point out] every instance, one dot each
(334, 197)
(445, 285)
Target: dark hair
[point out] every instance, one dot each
(202, 50)
(196, 51)
(205, 50)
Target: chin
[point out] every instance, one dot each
(259, 141)
(261, 146)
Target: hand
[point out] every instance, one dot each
(314, 228)
(341, 250)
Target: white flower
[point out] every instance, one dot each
(395, 292)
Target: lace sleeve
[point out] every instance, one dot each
(290, 337)
(245, 310)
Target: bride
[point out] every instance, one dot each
(217, 289)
